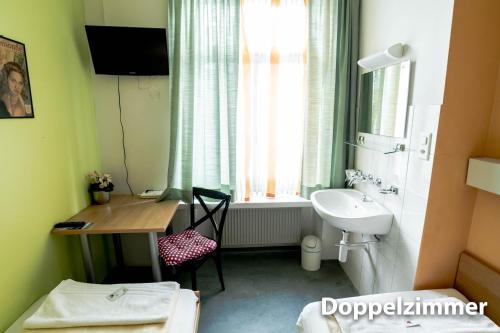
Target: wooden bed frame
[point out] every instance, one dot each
(479, 283)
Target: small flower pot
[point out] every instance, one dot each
(100, 197)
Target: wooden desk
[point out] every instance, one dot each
(124, 214)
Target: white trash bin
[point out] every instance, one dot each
(311, 253)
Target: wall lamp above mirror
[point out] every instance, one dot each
(383, 93)
(389, 56)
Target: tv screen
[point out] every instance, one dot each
(128, 51)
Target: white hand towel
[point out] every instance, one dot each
(76, 304)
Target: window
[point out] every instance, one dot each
(262, 95)
(271, 97)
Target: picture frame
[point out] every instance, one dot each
(15, 89)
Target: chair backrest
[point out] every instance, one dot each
(222, 202)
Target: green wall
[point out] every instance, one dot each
(44, 160)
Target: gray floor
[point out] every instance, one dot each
(265, 292)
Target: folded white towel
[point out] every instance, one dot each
(76, 304)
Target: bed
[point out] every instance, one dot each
(184, 320)
(474, 282)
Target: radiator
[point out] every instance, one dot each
(254, 227)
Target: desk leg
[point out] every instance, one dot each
(87, 258)
(117, 243)
(155, 260)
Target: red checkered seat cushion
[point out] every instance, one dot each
(178, 248)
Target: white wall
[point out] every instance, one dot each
(144, 100)
(146, 114)
(425, 27)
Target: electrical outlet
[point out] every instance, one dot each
(424, 145)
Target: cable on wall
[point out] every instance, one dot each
(123, 138)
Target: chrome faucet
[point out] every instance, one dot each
(391, 190)
(357, 176)
(377, 182)
(354, 177)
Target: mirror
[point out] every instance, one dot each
(384, 100)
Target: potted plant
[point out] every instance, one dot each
(100, 186)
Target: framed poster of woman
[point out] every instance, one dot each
(15, 91)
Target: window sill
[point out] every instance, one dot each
(262, 202)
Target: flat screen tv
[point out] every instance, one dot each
(127, 50)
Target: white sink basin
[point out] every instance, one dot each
(346, 210)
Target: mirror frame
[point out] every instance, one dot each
(404, 122)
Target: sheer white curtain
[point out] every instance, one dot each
(273, 58)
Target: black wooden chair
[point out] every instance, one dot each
(188, 250)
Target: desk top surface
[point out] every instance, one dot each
(125, 214)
